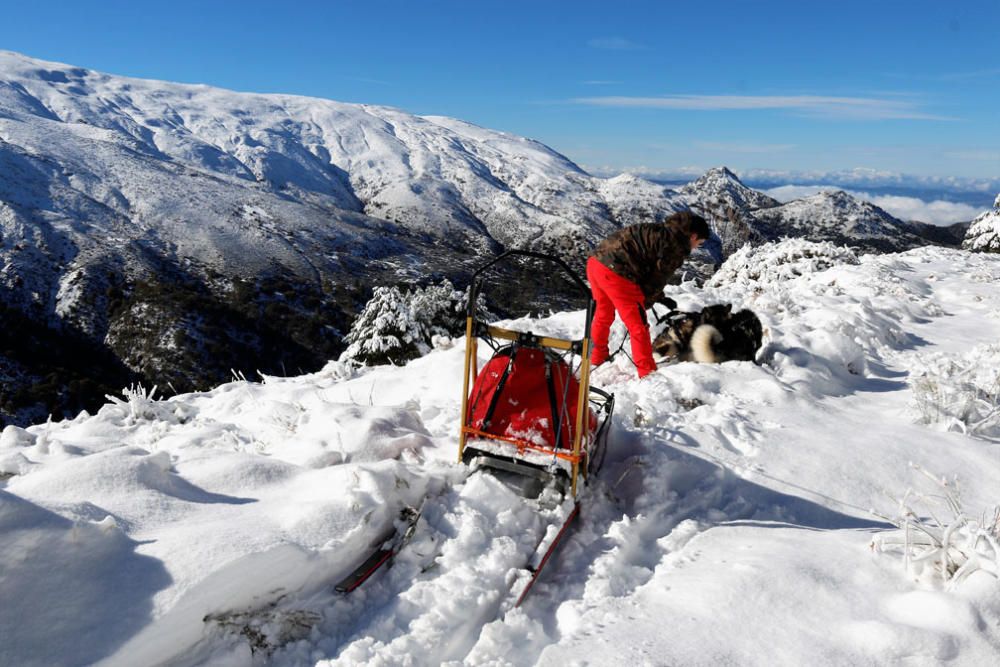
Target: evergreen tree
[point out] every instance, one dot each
(397, 326)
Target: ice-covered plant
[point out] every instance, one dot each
(938, 542)
(137, 400)
(141, 404)
(983, 234)
(959, 392)
(754, 266)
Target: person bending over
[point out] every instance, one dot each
(627, 273)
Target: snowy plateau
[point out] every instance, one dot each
(170, 233)
(746, 514)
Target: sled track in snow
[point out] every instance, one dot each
(472, 543)
(453, 577)
(428, 606)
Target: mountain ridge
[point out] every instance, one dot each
(192, 230)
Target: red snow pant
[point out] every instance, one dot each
(614, 293)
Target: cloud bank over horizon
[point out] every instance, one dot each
(859, 178)
(820, 106)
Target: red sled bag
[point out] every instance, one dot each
(527, 395)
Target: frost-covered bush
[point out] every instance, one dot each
(754, 266)
(960, 392)
(983, 234)
(396, 326)
(938, 542)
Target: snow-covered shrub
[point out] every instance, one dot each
(983, 234)
(939, 542)
(396, 326)
(754, 266)
(960, 392)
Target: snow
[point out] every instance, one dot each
(984, 232)
(835, 216)
(232, 180)
(730, 523)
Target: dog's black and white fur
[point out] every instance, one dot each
(713, 335)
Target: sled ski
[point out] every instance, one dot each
(544, 550)
(388, 545)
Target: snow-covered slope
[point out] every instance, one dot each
(153, 217)
(984, 232)
(454, 181)
(730, 524)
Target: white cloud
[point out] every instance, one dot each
(937, 212)
(857, 108)
(861, 178)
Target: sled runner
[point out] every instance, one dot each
(387, 546)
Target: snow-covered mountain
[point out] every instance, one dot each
(839, 218)
(235, 182)
(720, 190)
(742, 516)
(187, 230)
(159, 218)
(983, 234)
(633, 199)
(742, 215)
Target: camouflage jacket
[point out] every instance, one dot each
(647, 254)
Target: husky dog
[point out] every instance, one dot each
(714, 335)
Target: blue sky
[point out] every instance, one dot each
(908, 87)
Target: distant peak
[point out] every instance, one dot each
(839, 195)
(722, 172)
(625, 177)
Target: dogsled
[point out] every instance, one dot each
(529, 411)
(529, 418)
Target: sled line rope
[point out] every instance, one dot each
(621, 347)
